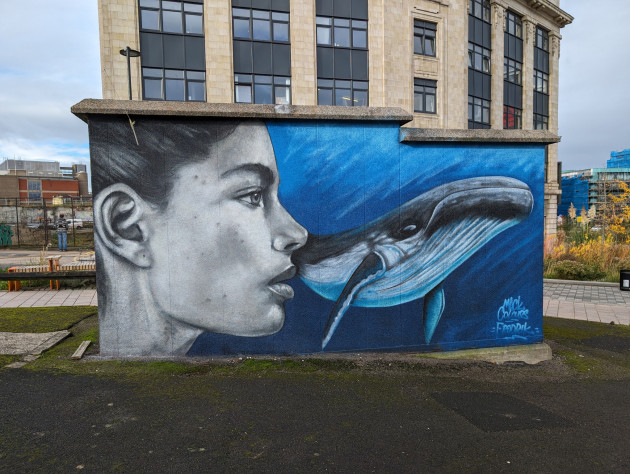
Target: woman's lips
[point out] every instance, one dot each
(281, 289)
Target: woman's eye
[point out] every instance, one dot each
(254, 198)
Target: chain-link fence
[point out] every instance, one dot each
(33, 223)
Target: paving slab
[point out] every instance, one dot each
(14, 343)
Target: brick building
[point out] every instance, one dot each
(32, 181)
(440, 59)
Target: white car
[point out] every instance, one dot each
(76, 223)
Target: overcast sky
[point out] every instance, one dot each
(49, 60)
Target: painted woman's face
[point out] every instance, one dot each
(221, 250)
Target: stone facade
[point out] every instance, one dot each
(392, 63)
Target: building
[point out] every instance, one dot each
(619, 159)
(441, 60)
(591, 187)
(32, 181)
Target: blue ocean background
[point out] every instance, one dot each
(337, 176)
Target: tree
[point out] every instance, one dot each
(616, 214)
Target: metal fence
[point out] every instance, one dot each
(33, 223)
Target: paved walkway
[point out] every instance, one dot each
(44, 297)
(589, 301)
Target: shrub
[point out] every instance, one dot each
(573, 270)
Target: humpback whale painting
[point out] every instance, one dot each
(411, 246)
(407, 253)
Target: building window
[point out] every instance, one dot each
(173, 84)
(341, 92)
(261, 89)
(478, 58)
(542, 39)
(424, 37)
(34, 185)
(512, 117)
(478, 112)
(424, 96)
(541, 80)
(513, 24)
(513, 71)
(173, 50)
(479, 9)
(260, 25)
(342, 52)
(541, 122)
(479, 70)
(171, 16)
(262, 52)
(341, 32)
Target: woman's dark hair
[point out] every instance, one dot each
(149, 165)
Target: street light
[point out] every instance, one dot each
(130, 53)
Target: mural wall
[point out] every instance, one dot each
(223, 237)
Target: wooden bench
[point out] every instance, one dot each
(53, 271)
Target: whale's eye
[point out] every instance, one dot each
(407, 229)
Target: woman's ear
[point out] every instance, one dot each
(121, 219)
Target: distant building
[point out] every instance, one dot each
(32, 181)
(591, 187)
(460, 64)
(619, 159)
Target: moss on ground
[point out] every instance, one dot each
(8, 359)
(40, 320)
(568, 330)
(566, 336)
(569, 339)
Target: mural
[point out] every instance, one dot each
(224, 237)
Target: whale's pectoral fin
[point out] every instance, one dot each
(367, 271)
(433, 309)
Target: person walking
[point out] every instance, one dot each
(62, 233)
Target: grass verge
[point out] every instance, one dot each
(40, 320)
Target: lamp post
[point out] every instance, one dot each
(130, 53)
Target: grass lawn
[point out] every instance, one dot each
(42, 319)
(571, 340)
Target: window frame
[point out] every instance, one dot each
(355, 88)
(331, 23)
(241, 80)
(186, 80)
(517, 71)
(424, 30)
(424, 88)
(479, 9)
(271, 21)
(160, 9)
(476, 51)
(542, 39)
(517, 116)
(484, 105)
(513, 24)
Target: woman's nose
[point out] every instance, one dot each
(288, 234)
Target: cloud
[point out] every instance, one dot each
(53, 63)
(594, 95)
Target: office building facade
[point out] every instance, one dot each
(456, 64)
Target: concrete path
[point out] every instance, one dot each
(587, 301)
(44, 297)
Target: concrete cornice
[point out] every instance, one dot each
(425, 135)
(254, 111)
(555, 13)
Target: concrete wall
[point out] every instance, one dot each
(305, 236)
